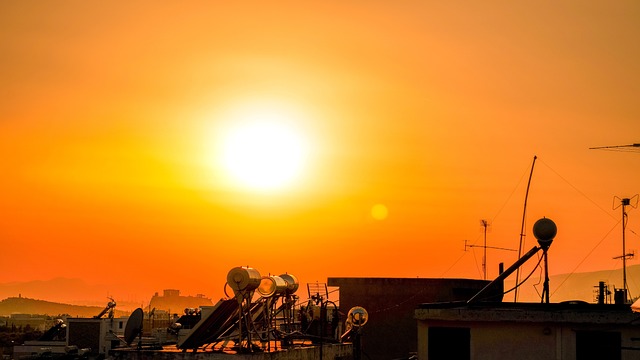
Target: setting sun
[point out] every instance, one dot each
(263, 150)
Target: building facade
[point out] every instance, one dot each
(565, 331)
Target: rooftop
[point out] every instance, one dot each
(565, 312)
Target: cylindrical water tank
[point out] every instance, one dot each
(272, 285)
(243, 279)
(292, 283)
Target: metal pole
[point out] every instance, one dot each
(524, 214)
(357, 345)
(625, 202)
(484, 263)
(240, 299)
(545, 288)
(323, 314)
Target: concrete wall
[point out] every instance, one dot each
(38, 347)
(538, 332)
(391, 330)
(526, 341)
(329, 352)
(501, 341)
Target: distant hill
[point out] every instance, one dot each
(577, 286)
(67, 291)
(22, 305)
(58, 289)
(77, 298)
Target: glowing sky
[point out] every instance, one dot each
(426, 112)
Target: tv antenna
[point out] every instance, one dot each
(623, 203)
(485, 225)
(622, 148)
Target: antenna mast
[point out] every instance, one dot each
(524, 216)
(484, 224)
(635, 147)
(624, 202)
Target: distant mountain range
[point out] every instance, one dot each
(57, 289)
(60, 296)
(77, 298)
(576, 286)
(68, 291)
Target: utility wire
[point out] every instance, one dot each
(578, 190)
(585, 258)
(492, 220)
(596, 205)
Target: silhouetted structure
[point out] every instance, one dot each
(391, 330)
(540, 331)
(171, 301)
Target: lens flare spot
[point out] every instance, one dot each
(379, 212)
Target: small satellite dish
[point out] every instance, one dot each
(243, 278)
(545, 230)
(358, 316)
(292, 283)
(134, 326)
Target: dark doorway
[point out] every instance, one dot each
(449, 343)
(598, 345)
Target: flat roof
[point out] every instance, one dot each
(565, 312)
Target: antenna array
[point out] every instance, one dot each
(623, 203)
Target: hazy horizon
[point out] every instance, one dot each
(564, 287)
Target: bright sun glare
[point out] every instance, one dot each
(262, 149)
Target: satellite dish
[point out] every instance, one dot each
(292, 283)
(358, 316)
(134, 326)
(243, 279)
(545, 230)
(272, 285)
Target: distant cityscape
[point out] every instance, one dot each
(578, 286)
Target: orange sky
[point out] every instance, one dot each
(435, 109)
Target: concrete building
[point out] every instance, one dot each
(171, 302)
(565, 331)
(390, 332)
(36, 349)
(98, 335)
